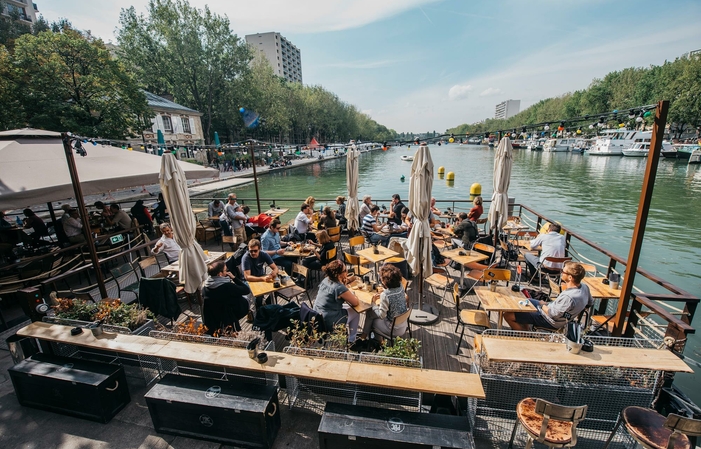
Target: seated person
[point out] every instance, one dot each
(435, 210)
(303, 223)
(37, 224)
(73, 227)
(341, 212)
(574, 298)
(224, 298)
(119, 218)
(373, 229)
(103, 210)
(466, 231)
(552, 244)
(364, 208)
(320, 256)
(167, 244)
(4, 224)
(215, 208)
(407, 221)
(335, 302)
(253, 265)
(395, 213)
(477, 210)
(328, 219)
(393, 302)
(142, 215)
(272, 246)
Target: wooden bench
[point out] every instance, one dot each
(400, 378)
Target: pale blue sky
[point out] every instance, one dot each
(424, 65)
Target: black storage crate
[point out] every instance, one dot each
(233, 413)
(82, 388)
(351, 426)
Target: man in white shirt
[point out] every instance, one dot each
(73, 227)
(364, 208)
(302, 223)
(552, 245)
(167, 244)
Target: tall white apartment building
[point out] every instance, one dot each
(283, 56)
(25, 9)
(507, 109)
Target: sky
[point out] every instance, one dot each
(429, 65)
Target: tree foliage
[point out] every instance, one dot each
(678, 81)
(62, 80)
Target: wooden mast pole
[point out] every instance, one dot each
(636, 243)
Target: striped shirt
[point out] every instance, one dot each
(369, 223)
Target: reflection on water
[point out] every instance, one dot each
(594, 195)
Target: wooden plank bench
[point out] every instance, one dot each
(421, 380)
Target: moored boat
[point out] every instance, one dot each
(641, 149)
(695, 157)
(681, 150)
(558, 145)
(407, 157)
(611, 142)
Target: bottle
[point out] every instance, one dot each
(19, 221)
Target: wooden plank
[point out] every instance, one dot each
(469, 257)
(424, 380)
(263, 288)
(600, 290)
(511, 350)
(384, 253)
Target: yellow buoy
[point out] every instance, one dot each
(441, 170)
(450, 176)
(451, 140)
(475, 189)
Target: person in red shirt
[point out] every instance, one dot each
(476, 210)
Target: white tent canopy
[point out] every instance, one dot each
(34, 169)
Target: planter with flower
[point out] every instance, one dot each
(114, 314)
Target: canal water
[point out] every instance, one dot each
(595, 196)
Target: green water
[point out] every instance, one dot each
(593, 195)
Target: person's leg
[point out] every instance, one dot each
(283, 262)
(383, 327)
(225, 228)
(531, 263)
(240, 234)
(353, 320)
(370, 317)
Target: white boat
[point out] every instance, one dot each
(642, 147)
(695, 157)
(612, 142)
(535, 144)
(581, 145)
(558, 145)
(407, 157)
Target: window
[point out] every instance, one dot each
(186, 125)
(167, 124)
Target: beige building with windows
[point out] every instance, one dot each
(25, 9)
(181, 126)
(283, 56)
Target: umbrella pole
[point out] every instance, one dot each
(427, 314)
(83, 214)
(255, 176)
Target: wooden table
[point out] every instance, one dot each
(199, 210)
(536, 351)
(275, 212)
(212, 257)
(410, 379)
(469, 257)
(513, 226)
(365, 297)
(600, 290)
(383, 254)
(261, 288)
(502, 300)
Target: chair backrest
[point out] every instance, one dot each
(549, 411)
(485, 249)
(680, 424)
(147, 262)
(358, 240)
(456, 294)
(401, 319)
(548, 268)
(351, 259)
(334, 231)
(283, 231)
(228, 239)
(122, 270)
(497, 274)
(331, 254)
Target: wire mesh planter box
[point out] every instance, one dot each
(606, 390)
(209, 371)
(133, 364)
(311, 395)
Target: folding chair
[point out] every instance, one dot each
(204, 228)
(355, 264)
(127, 278)
(398, 320)
(301, 275)
(335, 236)
(653, 430)
(439, 279)
(549, 271)
(468, 317)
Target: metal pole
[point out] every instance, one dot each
(636, 243)
(255, 176)
(83, 213)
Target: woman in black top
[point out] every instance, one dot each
(224, 301)
(320, 256)
(141, 214)
(327, 219)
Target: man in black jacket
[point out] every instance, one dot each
(465, 230)
(224, 299)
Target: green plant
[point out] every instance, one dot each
(112, 312)
(304, 335)
(338, 339)
(403, 348)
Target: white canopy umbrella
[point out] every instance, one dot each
(503, 160)
(34, 170)
(352, 208)
(418, 245)
(193, 269)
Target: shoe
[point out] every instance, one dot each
(249, 317)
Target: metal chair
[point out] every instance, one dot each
(535, 415)
(146, 266)
(335, 236)
(487, 273)
(230, 239)
(398, 320)
(127, 278)
(468, 317)
(549, 271)
(355, 263)
(654, 431)
(205, 227)
(440, 279)
(289, 293)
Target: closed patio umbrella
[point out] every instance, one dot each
(418, 251)
(503, 160)
(352, 208)
(193, 269)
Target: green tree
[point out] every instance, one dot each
(69, 82)
(188, 52)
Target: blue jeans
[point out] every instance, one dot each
(378, 238)
(225, 228)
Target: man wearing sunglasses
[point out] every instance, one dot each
(571, 301)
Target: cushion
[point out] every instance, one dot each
(647, 426)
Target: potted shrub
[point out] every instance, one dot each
(114, 313)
